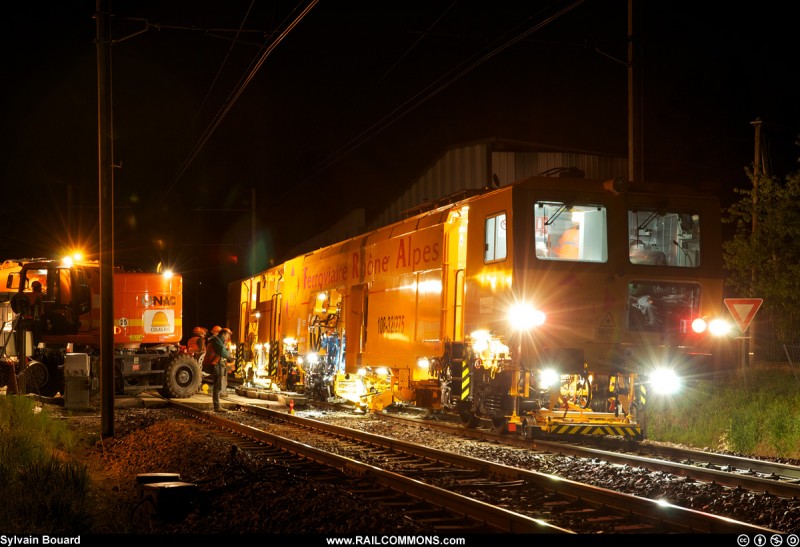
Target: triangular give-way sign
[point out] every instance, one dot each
(743, 310)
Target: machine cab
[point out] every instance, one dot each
(66, 295)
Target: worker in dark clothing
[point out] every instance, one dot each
(35, 297)
(29, 309)
(216, 363)
(32, 313)
(224, 388)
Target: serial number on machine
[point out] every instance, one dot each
(390, 324)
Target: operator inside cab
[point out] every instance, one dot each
(29, 307)
(640, 254)
(28, 304)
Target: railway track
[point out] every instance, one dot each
(440, 510)
(759, 476)
(457, 493)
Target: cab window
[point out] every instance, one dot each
(664, 238)
(495, 238)
(566, 232)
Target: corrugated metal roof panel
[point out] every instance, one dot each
(473, 166)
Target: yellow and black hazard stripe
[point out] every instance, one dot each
(623, 430)
(465, 379)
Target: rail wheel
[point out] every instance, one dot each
(181, 377)
(529, 429)
(499, 423)
(583, 397)
(599, 399)
(468, 417)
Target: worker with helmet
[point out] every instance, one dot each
(216, 363)
(196, 344)
(211, 332)
(215, 330)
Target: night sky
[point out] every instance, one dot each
(353, 103)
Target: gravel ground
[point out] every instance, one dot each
(267, 500)
(236, 492)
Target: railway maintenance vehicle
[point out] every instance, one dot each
(548, 306)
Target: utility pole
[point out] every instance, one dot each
(252, 232)
(757, 172)
(105, 169)
(635, 163)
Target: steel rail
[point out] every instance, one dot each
(653, 511)
(726, 477)
(496, 517)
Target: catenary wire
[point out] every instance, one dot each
(420, 98)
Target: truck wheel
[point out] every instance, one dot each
(41, 379)
(181, 378)
(36, 376)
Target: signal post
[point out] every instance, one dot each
(743, 310)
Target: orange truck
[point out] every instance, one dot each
(147, 327)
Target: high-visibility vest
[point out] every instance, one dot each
(211, 357)
(568, 244)
(195, 344)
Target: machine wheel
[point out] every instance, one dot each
(36, 376)
(599, 400)
(19, 302)
(181, 378)
(639, 414)
(529, 430)
(40, 379)
(584, 399)
(468, 418)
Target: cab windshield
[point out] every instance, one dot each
(664, 238)
(569, 232)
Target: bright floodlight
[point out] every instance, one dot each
(549, 377)
(525, 317)
(665, 381)
(719, 327)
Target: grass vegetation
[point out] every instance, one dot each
(45, 491)
(752, 412)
